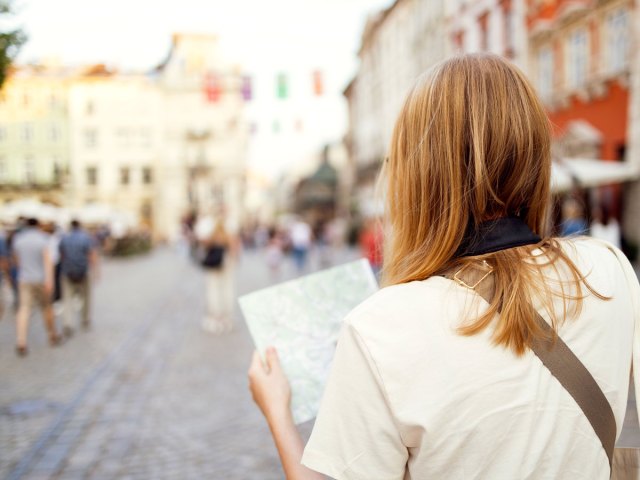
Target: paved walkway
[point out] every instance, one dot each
(146, 394)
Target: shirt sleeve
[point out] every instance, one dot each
(355, 435)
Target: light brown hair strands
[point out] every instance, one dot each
(473, 143)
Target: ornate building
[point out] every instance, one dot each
(156, 146)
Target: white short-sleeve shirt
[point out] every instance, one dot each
(410, 398)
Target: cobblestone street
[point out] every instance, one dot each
(145, 394)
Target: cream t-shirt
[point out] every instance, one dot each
(409, 398)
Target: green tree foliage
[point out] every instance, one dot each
(10, 41)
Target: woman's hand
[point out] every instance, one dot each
(271, 391)
(269, 386)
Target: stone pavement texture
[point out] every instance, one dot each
(146, 393)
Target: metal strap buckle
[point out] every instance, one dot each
(457, 278)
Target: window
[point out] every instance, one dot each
(91, 138)
(123, 136)
(483, 25)
(125, 176)
(147, 175)
(27, 132)
(510, 29)
(92, 176)
(54, 133)
(617, 41)
(578, 58)
(145, 137)
(30, 170)
(57, 171)
(545, 72)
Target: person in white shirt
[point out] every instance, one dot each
(301, 237)
(605, 227)
(429, 379)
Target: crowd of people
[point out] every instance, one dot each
(49, 269)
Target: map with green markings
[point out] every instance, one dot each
(302, 319)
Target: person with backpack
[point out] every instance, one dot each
(78, 260)
(217, 262)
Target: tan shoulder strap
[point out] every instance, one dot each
(559, 359)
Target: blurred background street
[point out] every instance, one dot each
(144, 393)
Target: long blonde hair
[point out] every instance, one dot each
(472, 143)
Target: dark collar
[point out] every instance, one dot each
(495, 235)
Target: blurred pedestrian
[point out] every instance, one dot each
(573, 221)
(218, 262)
(13, 266)
(78, 263)
(55, 235)
(301, 238)
(4, 270)
(605, 227)
(274, 253)
(35, 282)
(371, 243)
(322, 235)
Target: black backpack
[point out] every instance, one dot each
(213, 257)
(77, 273)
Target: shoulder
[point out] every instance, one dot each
(594, 255)
(604, 266)
(396, 310)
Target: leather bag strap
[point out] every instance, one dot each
(559, 359)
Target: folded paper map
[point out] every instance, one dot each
(302, 319)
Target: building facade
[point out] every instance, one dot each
(34, 134)
(116, 143)
(494, 26)
(398, 44)
(158, 146)
(205, 133)
(581, 65)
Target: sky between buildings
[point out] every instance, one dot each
(266, 37)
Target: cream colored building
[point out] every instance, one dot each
(155, 146)
(116, 143)
(204, 134)
(495, 26)
(34, 134)
(398, 44)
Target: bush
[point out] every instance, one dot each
(132, 244)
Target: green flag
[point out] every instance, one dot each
(282, 86)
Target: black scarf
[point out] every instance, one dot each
(494, 235)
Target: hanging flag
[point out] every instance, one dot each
(253, 128)
(212, 87)
(318, 84)
(246, 88)
(276, 126)
(282, 89)
(298, 125)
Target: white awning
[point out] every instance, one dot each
(587, 173)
